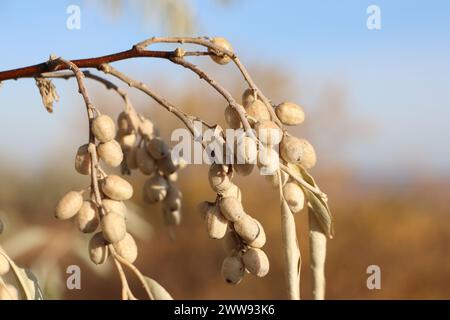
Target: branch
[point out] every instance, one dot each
(138, 51)
(38, 69)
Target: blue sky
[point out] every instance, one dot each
(397, 76)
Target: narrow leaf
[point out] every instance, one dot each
(318, 251)
(291, 251)
(318, 205)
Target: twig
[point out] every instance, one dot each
(207, 43)
(108, 84)
(253, 86)
(134, 270)
(202, 41)
(185, 118)
(126, 291)
(239, 109)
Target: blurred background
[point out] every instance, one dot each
(377, 107)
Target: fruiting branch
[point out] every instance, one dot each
(175, 56)
(90, 111)
(135, 146)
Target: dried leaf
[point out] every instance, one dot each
(291, 251)
(28, 283)
(158, 292)
(318, 205)
(318, 251)
(48, 93)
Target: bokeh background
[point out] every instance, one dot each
(378, 111)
